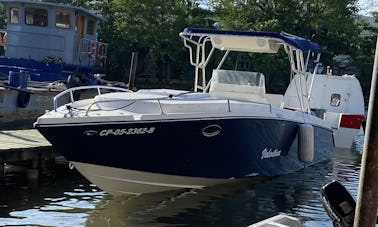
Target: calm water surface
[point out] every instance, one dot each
(62, 197)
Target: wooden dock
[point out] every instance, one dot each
(21, 139)
(18, 146)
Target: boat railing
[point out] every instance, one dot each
(71, 92)
(92, 53)
(159, 102)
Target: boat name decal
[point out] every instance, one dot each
(127, 131)
(270, 153)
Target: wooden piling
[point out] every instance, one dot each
(133, 67)
(367, 200)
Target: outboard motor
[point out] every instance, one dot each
(339, 204)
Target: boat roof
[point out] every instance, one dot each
(271, 37)
(56, 5)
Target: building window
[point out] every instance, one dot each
(36, 17)
(62, 19)
(14, 15)
(335, 100)
(91, 27)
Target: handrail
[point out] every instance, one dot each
(131, 100)
(228, 103)
(97, 87)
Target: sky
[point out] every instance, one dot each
(368, 6)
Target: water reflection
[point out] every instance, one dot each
(64, 198)
(53, 200)
(239, 204)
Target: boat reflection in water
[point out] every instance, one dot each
(241, 204)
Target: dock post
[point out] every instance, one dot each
(133, 66)
(367, 200)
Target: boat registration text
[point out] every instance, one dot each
(127, 131)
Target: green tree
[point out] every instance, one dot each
(146, 27)
(3, 17)
(150, 28)
(82, 3)
(364, 59)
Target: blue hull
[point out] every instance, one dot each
(232, 148)
(47, 71)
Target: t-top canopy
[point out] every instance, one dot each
(264, 42)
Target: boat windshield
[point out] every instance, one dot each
(238, 77)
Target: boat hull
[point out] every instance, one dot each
(349, 126)
(214, 149)
(124, 182)
(47, 71)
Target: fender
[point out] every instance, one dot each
(23, 99)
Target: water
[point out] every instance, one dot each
(62, 197)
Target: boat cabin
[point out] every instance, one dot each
(52, 32)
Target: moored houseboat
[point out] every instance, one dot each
(46, 47)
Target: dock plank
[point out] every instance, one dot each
(21, 139)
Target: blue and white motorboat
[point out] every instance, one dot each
(227, 129)
(45, 48)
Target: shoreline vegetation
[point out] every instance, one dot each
(151, 30)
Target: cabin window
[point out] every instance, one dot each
(335, 100)
(63, 19)
(36, 17)
(14, 15)
(91, 27)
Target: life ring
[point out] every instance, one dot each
(3, 38)
(91, 49)
(23, 99)
(100, 50)
(99, 54)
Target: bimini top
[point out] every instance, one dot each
(263, 42)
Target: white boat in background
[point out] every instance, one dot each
(229, 128)
(337, 99)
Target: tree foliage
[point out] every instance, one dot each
(2, 17)
(151, 28)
